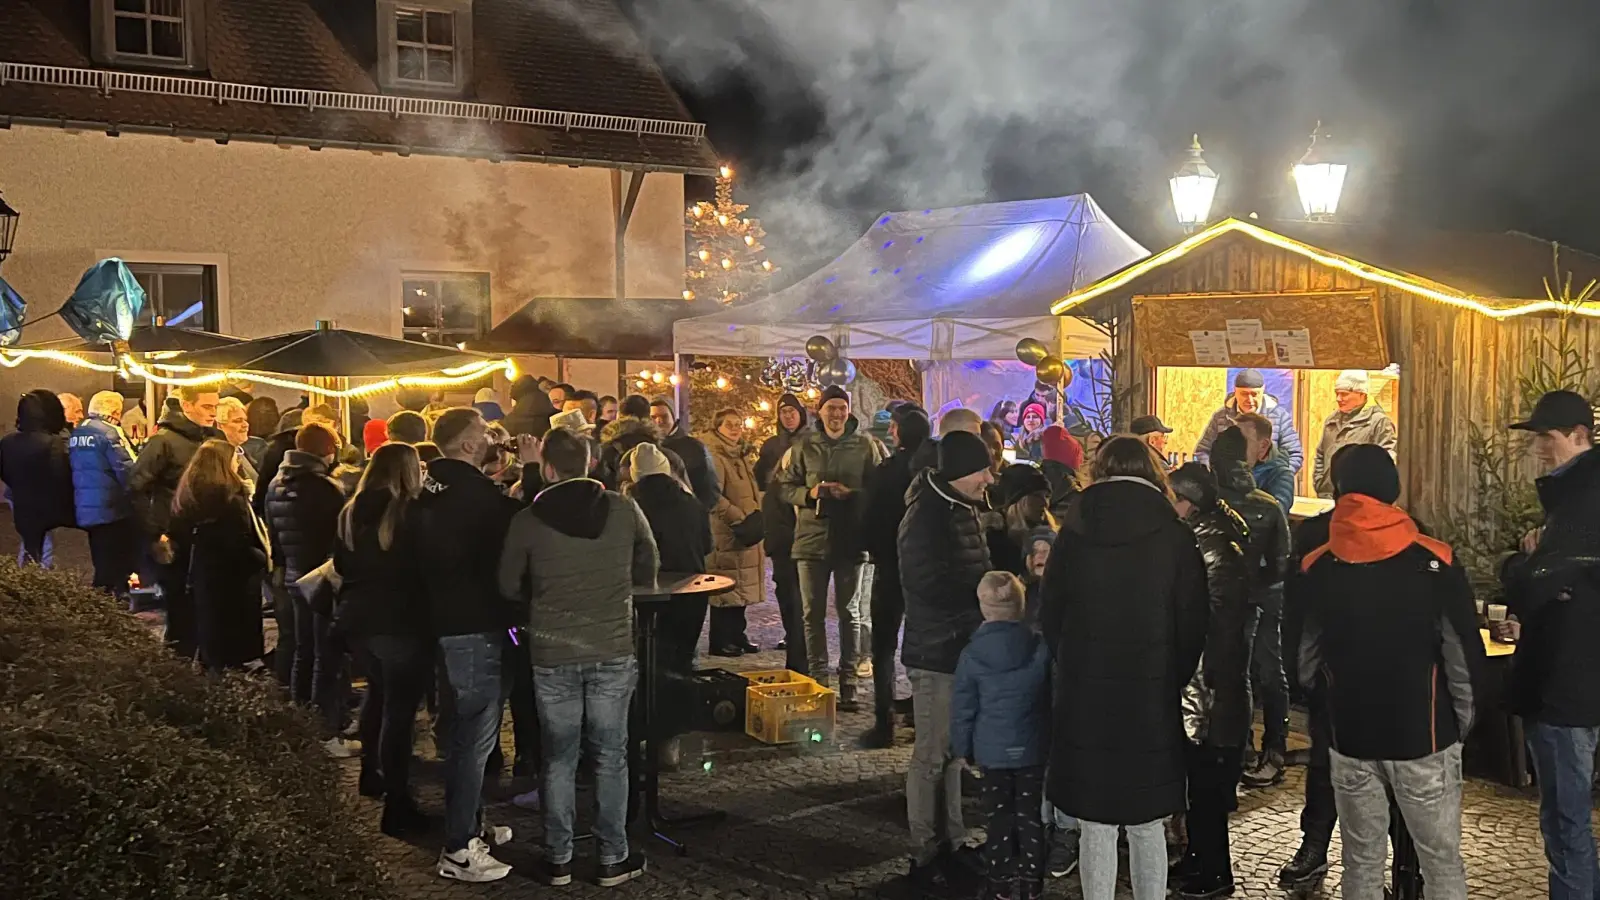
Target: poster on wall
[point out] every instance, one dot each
(1246, 336)
(1292, 347)
(1210, 348)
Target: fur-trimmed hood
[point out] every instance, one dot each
(630, 426)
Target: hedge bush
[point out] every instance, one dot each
(125, 773)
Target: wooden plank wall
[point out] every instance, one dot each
(1457, 367)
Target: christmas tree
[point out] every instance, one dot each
(727, 260)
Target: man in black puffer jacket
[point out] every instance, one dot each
(1216, 702)
(886, 507)
(943, 556)
(1268, 552)
(302, 506)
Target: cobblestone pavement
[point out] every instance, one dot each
(829, 821)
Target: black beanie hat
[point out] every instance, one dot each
(961, 453)
(1366, 469)
(833, 392)
(789, 399)
(1018, 481)
(914, 427)
(1194, 483)
(1229, 448)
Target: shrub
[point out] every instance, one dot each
(125, 773)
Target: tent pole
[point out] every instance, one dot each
(680, 394)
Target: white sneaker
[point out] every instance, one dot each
(341, 748)
(472, 864)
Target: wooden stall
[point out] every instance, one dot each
(1444, 323)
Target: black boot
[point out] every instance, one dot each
(371, 783)
(880, 736)
(404, 819)
(1310, 863)
(1206, 887)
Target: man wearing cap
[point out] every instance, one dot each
(1358, 420)
(1154, 433)
(1553, 588)
(822, 475)
(1250, 396)
(943, 556)
(1389, 615)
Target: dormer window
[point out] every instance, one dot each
(167, 34)
(425, 45)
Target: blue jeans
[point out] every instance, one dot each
(587, 701)
(477, 686)
(1563, 759)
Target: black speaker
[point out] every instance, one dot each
(718, 700)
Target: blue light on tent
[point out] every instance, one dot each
(873, 272)
(836, 307)
(927, 212)
(733, 328)
(888, 244)
(919, 277)
(830, 279)
(1002, 254)
(922, 238)
(884, 220)
(897, 271)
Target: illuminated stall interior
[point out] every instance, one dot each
(1443, 323)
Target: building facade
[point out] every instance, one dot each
(419, 169)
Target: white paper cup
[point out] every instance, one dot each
(1497, 612)
(1480, 604)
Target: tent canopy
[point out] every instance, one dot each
(961, 283)
(332, 353)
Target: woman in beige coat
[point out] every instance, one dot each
(735, 550)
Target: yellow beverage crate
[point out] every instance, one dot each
(776, 676)
(790, 712)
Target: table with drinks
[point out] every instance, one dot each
(1497, 746)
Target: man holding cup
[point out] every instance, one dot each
(1552, 585)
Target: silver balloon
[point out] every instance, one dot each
(820, 348)
(840, 371)
(1031, 351)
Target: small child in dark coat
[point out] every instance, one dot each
(1000, 722)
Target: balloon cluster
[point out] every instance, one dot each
(832, 369)
(1049, 369)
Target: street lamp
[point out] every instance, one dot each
(8, 228)
(1319, 178)
(1194, 186)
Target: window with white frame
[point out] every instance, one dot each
(425, 44)
(164, 33)
(444, 307)
(178, 296)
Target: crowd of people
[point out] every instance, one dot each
(470, 556)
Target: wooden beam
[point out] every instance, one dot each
(624, 197)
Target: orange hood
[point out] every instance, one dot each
(1364, 530)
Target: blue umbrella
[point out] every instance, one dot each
(105, 304)
(13, 311)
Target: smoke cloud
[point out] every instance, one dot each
(1449, 107)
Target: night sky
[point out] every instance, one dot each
(1455, 114)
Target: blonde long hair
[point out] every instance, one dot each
(210, 480)
(396, 470)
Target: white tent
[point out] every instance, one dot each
(937, 284)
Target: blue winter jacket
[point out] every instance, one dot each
(101, 464)
(1284, 437)
(1000, 712)
(1274, 476)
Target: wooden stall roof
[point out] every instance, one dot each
(1498, 275)
(600, 328)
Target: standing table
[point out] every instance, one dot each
(649, 600)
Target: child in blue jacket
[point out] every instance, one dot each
(1000, 722)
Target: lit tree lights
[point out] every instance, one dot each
(727, 259)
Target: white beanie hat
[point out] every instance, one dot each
(646, 460)
(1351, 380)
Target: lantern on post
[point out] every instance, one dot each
(8, 228)
(1193, 187)
(1319, 178)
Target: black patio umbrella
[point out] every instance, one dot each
(144, 339)
(332, 353)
